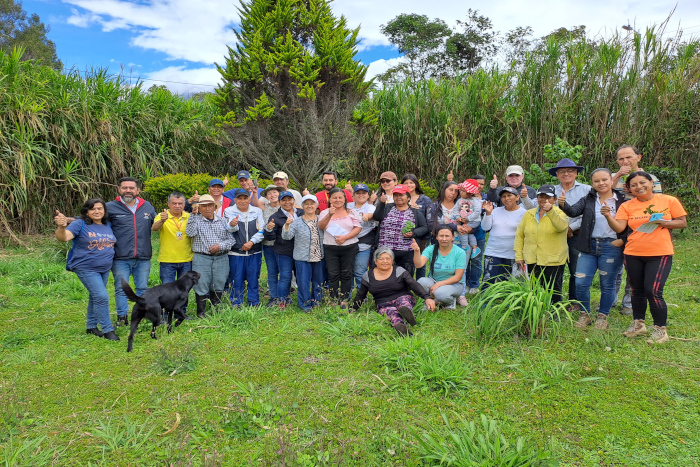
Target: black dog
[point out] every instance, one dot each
(170, 297)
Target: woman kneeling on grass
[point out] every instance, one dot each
(90, 258)
(445, 279)
(649, 250)
(600, 247)
(391, 288)
(308, 253)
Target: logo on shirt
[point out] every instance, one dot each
(146, 215)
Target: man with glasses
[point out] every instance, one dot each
(566, 172)
(514, 178)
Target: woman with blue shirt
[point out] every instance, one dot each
(445, 279)
(90, 258)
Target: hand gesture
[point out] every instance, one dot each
(214, 248)
(547, 207)
(225, 181)
(194, 198)
(60, 219)
(450, 176)
(290, 219)
(195, 208)
(305, 192)
(348, 186)
(367, 217)
(413, 204)
(494, 183)
(561, 201)
(605, 210)
(372, 198)
(383, 198)
(488, 207)
(415, 246)
(164, 215)
(234, 222)
(523, 192)
(430, 304)
(331, 210)
(270, 225)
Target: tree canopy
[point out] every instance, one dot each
(17, 29)
(291, 85)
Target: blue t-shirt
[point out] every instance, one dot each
(445, 266)
(93, 247)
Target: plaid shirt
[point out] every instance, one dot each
(206, 233)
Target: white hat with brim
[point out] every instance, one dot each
(309, 198)
(207, 199)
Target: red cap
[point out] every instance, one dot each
(398, 189)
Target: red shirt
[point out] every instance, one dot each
(322, 198)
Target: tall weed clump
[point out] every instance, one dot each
(65, 138)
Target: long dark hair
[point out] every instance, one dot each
(638, 173)
(337, 190)
(436, 246)
(435, 207)
(414, 179)
(89, 204)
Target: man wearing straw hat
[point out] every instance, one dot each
(211, 242)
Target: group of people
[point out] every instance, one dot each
(393, 243)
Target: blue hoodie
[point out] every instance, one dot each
(133, 231)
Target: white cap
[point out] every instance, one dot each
(309, 197)
(280, 175)
(515, 169)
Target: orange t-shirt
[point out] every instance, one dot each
(658, 242)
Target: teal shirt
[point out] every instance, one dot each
(445, 266)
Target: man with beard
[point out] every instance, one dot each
(330, 181)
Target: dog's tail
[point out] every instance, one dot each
(130, 293)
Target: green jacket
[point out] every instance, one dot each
(542, 243)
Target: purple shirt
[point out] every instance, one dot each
(390, 234)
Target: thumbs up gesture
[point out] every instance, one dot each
(164, 215)
(605, 210)
(234, 222)
(290, 219)
(60, 220)
(348, 186)
(547, 207)
(561, 201)
(494, 183)
(415, 246)
(450, 176)
(383, 198)
(331, 210)
(194, 198)
(305, 192)
(523, 192)
(270, 225)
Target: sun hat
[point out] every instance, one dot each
(216, 181)
(280, 175)
(360, 187)
(546, 190)
(309, 198)
(268, 188)
(243, 174)
(508, 189)
(515, 169)
(565, 164)
(470, 186)
(207, 199)
(400, 189)
(285, 193)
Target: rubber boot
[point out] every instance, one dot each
(201, 305)
(215, 298)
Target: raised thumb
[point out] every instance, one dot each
(196, 192)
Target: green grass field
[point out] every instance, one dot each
(261, 387)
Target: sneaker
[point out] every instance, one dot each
(122, 321)
(583, 321)
(407, 314)
(601, 321)
(573, 308)
(273, 302)
(402, 329)
(658, 335)
(475, 252)
(111, 335)
(637, 328)
(626, 311)
(95, 332)
(462, 300)
(473, 291)
(451, 306)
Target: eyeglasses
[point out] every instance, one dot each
(385, 180)
(567, 171)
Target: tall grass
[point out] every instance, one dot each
(634, 89)
(65, 137)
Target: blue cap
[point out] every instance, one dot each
(243, 174)
(216, 181)
(361, 187)
(240, 192)
(285, 194)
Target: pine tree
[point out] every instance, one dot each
(291, 86)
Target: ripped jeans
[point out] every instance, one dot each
(606, 259)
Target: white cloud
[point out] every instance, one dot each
(184, 81)
(380, 66)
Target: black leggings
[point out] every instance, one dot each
(340, 262)
(647, 276)
(551, 277)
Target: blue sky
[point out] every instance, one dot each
(177, 41)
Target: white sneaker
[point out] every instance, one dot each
(473, 291)
(451, 306)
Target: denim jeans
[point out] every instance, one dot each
(170, 272)
(140, 269)
(497, 270)
(272, 270)
(309, 281)
(475, 267)
(245, 269)
(604, 258)
(361, 266)
(284, 286)
(573, 258)
(98, 303)
(213, 270)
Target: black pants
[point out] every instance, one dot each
(573, 259)
(551, 277)
(647, 276)
(405, 260)
(340, 262)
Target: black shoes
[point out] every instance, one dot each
(111, 335)
(95, 332)
(122, 320)
(407, 314)
(201, 305)
(402, 329)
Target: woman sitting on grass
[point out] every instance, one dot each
(391, 288)
(90, 258)
(648, 253)
(445, 279)
(540, 242)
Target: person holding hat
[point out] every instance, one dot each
(387, 182)
(308, 253)
(566, 172)
(281, 180)
(216, 191)
(514, 179)
(284, 248)
(367, 235)
(271, 195)
(245, 222)
(211, 241)
(399, 225)
(540, 242)
(502, 224)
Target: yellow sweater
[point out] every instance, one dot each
(542, 243)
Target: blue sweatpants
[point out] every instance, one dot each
(245, 269)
